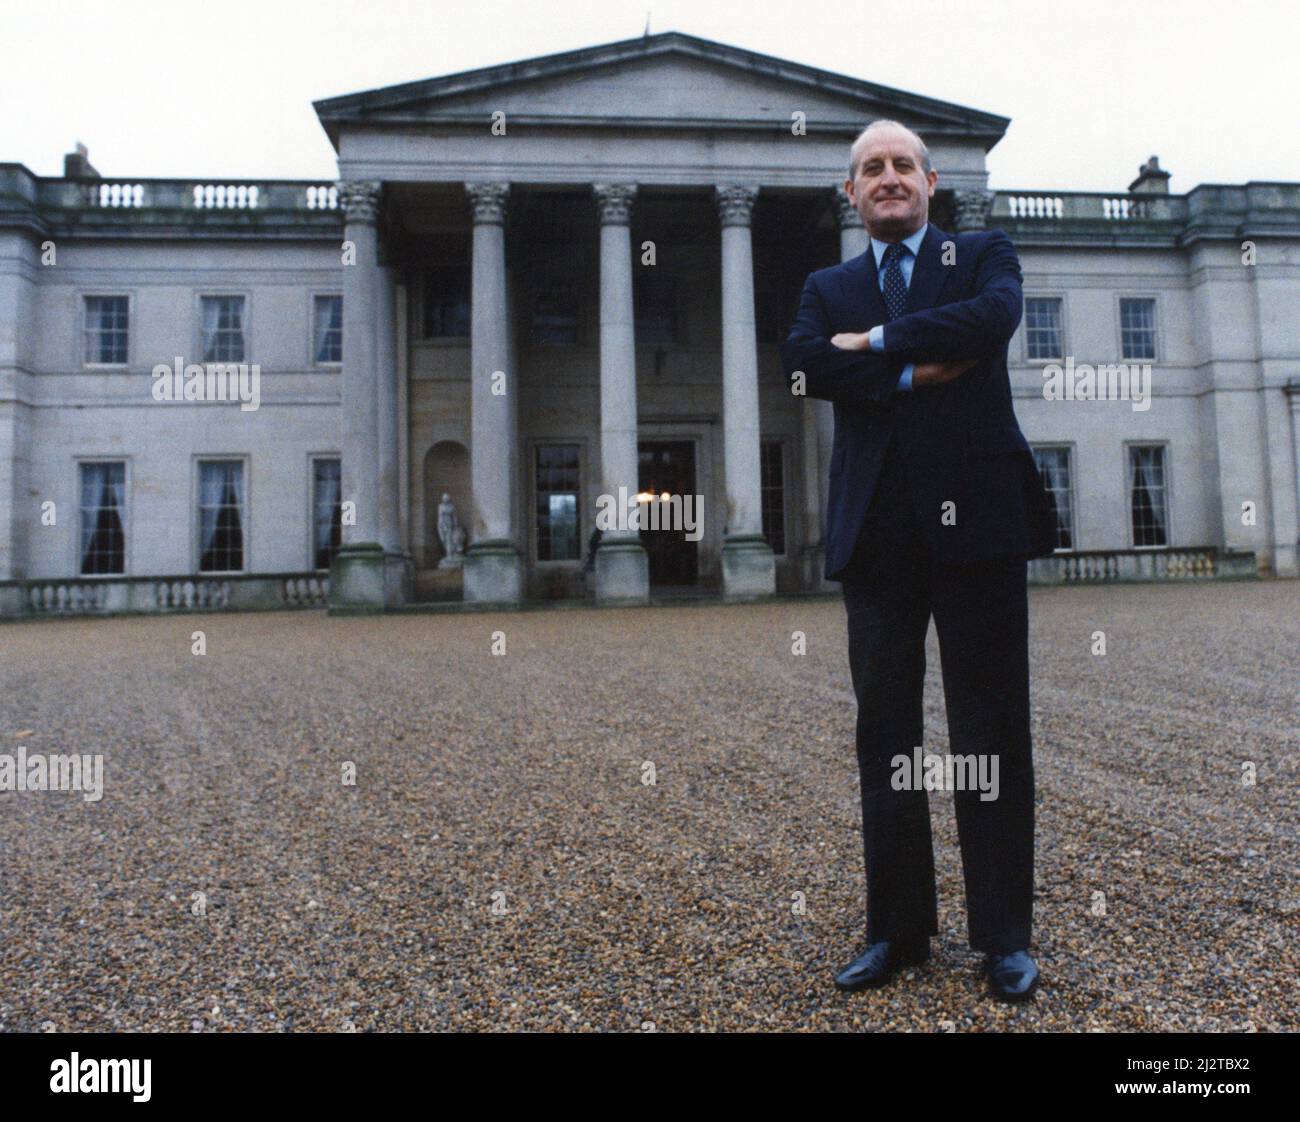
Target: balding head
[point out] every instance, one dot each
(890, 180)
(855, 151)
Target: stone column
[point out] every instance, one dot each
(357, 578)
(748, 567)
(399, 571)
(386, 412)
(622, 568)
(20, 507)
(493, 567)
(1281, 409)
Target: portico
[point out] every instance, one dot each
(629, 260)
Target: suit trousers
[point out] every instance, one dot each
(891, 589)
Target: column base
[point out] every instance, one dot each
(812, 564)
(622, 572)
(748, 568)
(494, 573)
(1285, 563)
(367, 578)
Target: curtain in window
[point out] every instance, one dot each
(328, 485)
(329, 313)
(1148, 496)
(103, 491)
(221, 531)
(211, 322)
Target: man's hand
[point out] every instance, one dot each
(852, 341)
(937, 373)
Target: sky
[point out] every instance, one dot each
(223, 88)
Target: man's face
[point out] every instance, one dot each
(891, 192)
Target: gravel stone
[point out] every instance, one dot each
(634, 820)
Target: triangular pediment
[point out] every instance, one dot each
(656, 81)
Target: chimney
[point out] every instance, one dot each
(76, 165)
(1151, 179)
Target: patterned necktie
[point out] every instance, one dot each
(895, 290)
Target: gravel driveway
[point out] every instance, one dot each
(631, 818)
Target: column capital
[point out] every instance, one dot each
(489, 202)
(973, 209)
(614, 202)
(846, 214)
(359, 199)
(735, 203)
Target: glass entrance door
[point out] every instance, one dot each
(667, 467)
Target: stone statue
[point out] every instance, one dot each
(451, 534)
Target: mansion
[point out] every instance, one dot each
(536, 284)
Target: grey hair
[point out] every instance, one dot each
(882, 124)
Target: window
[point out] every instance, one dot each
(555, 313)
(327, 334)
(656, 309)
(106, 330)
(223, 328)
(772, 494)
(557, 502)
(221, 516)
(1137, 328)
(326, 511)
(446, 302)
(1043, 335)
(103, 513)
(1147, 495)
(1054, 467)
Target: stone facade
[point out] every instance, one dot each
(569, 275)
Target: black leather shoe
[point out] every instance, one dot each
(876, 965)
(1012, 976)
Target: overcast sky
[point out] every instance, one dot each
(223, 88)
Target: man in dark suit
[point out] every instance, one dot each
(935, 506)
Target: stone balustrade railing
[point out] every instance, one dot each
(1066, 206)
(110, 595)
(185, 194)
(1101, 566)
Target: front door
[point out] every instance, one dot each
(667, 467)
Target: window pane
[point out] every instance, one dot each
(221, 516)
(103, 512)
(223, 328)
(328, 332)
(1054, 467)
(1147, 494)
(1137, 322)
(555, 314)
(327, 511)
(772, 493)
(1043, 335)
(106, 329)
(557, 502)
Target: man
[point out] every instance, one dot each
(935, 505)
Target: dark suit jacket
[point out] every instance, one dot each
(960, 441)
